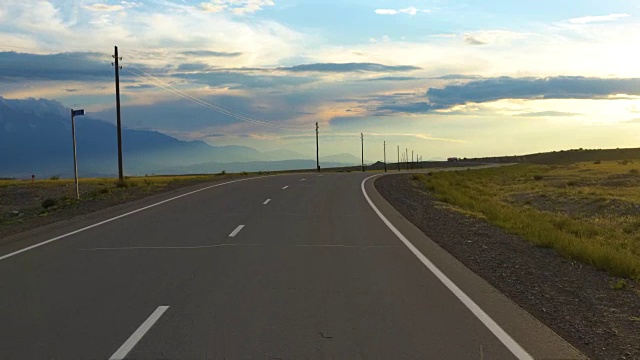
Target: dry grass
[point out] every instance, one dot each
(588, 212)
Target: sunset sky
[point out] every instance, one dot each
(444, 78)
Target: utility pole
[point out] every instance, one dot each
(385, 156)
(116, 64)
(406, 157)
(412, 164)
(362, 142)
(398, 157)
(317, 150)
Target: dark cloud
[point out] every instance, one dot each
(415, 108)
(193, 67)
(207, 53)
(470, 40)
(235, 80)
(394, 78)
(214, 135)
(64, 66)
(562, 87)
(348, 67)
(548, 113)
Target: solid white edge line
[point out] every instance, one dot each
(285, 187)
(266, 202)
(236, 231)
(128, 345)
(499, 333)
(118, 217)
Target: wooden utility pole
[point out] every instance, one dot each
(362, 142)
(385, 155)
(317, 150)
(406, 157)
(118, 119)
(398, 157)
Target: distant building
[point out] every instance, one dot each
(453, 159)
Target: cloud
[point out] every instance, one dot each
(561, 87)
(65, 66)
(348, 67)
(103, 7)
(413, 108)
(632, 121)
(548, 114)
(394, 78)
(458, 77)
(238, 7)
(208, 53)
(470, 40)
(597, 19)
(410, 11)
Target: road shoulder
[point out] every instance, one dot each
(537, 339)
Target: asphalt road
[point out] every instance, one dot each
(285, 267)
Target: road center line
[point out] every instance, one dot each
(121, 216)
(236, 231)
(128, 345)
(266, 202)
(285, 187)
(497, 331)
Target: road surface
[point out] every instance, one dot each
(297, 266)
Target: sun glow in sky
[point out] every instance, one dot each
(445, 78)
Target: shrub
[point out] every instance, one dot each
(634, 172)
(50, 202)
(624, 162)
(54, 177)
(597, 162)
(223, 172)
(538, 177)
(619, 285)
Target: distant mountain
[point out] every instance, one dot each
(35, 138)
(252, 166)
(343, 158)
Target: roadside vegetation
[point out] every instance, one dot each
(25, 204)
(589, 212)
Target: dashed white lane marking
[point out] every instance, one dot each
(497, 331)
(266, 202)
(128, 345)
(236, 231)
(303, 179)
(285, 187)
(119, 217)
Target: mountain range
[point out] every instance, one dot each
(35, 138)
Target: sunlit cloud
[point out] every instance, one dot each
(238, 7)
(409, 11)
(598, 19)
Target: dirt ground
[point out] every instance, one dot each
(25, 205)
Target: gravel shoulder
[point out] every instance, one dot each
(575, 300)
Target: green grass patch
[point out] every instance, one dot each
(579, 209)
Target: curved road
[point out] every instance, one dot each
(294, 266)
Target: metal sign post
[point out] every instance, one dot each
(75, 113)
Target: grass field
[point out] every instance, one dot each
(589, 212)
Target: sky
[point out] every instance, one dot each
(439, 77)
